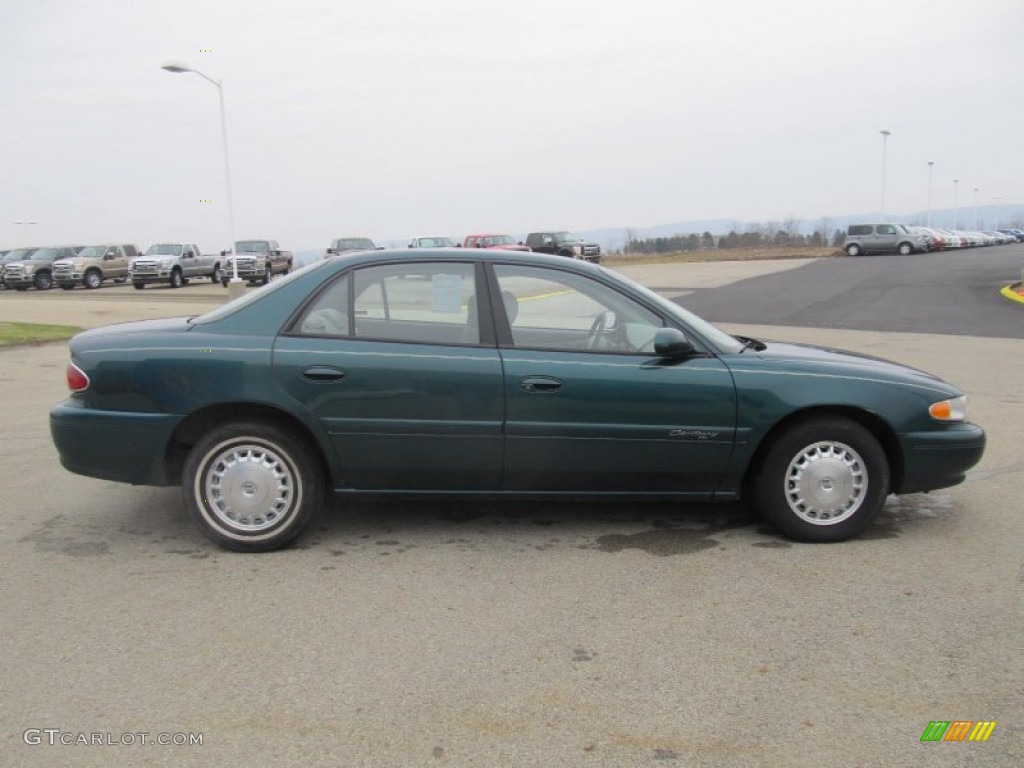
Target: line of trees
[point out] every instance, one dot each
(758, 235)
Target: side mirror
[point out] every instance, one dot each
(189, 255)
(671, 342)
(332, 250)
(277, 253)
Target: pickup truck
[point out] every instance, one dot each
(564, 244)
(349, 244)
(431, 242)
(94, 264)
(494, 242)
(26, 267)
(258, 261)
(174, 264)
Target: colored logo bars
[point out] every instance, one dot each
(958, 730)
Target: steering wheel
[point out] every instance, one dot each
(604, 322)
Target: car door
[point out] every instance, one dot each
(393, 364)
(189, 260)
(885, 239)
(115, 263)
(589, 406)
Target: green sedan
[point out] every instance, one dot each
(494, 373)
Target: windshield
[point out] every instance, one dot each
(17, 255)
(47, 254)
(164, 249)
(255, 294)
(93, 252)
(719, 338)
(500, 240)
(434, 242)
(252, 246)
(567, 237)
(354, 244)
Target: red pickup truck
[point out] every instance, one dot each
(499, 242)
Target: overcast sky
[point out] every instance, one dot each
(393, 118)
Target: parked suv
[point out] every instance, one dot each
(34, 266)
(94, 264)
(564, 244)
(883, 238)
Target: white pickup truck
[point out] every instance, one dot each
(174, 264)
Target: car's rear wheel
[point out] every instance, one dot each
(823, 480)
(906, 249)
(252, 487)
(853, 250)
(92, 279)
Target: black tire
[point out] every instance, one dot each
(822, 480)
(21, 287)
(138, 286)
(216, 276)
(252, 487)
(854, 250)
(224, 282)
(93, 279)
(176, 279)
(905, 249)
(266, 275)
(43, 281)
(120, 280)
(67, 286)
(566, 253)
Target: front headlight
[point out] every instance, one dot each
(954, 409)
(577, 249)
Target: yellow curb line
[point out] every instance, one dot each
(1011, 294)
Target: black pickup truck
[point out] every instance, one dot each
(564, 244)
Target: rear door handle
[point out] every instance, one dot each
(540, 384)
(323, 373)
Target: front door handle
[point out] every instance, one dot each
(323, 373)
(540, 384)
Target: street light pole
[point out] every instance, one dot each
(976, 209)
(26, 224)
(885, 136)
(955, 211)
(178, 67)
(929, 219)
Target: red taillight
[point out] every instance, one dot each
(77, 380)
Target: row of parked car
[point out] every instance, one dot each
(175, 264)
(558, 243)
(903, 239)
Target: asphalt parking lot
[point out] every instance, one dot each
(486, 634)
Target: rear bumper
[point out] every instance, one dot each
(934, 460)
(113, 445)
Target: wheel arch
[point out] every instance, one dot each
(870, 421)
(188, 432)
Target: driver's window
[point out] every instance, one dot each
(552, 309)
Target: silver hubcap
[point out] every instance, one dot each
(826, 483)
(248, 487)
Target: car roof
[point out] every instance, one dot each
(463, 254)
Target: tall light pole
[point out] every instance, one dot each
(26, 224)
(975, 209)
(995, 214)
(955, 211)
(885, 136)
(178, 67)
(929, 219)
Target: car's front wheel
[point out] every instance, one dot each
(92, 279)
(43, 281)
(176, 280)
(216, 276)
(823, 480)
(266, 275)
(252, 487)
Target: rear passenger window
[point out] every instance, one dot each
(859, 229)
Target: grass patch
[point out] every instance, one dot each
(32, 333)
(727, 254)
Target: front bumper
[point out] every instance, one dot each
(156, 276)
(19, 280)
(939, 459)
(122, 446)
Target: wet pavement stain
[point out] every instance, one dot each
(660, 543)
(773, 544)
(47, 539)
